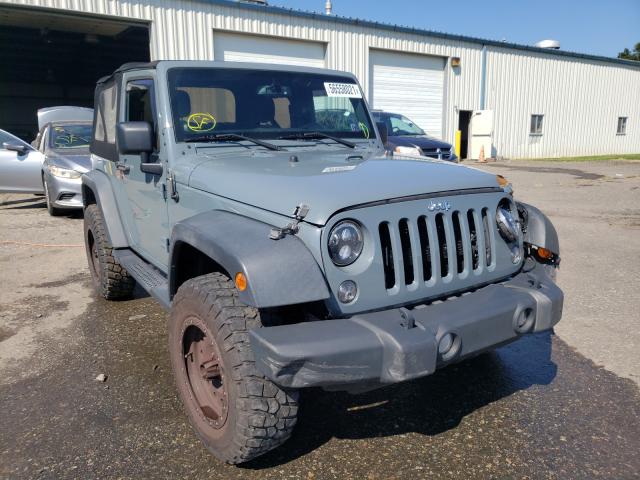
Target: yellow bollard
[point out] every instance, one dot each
(458, 142)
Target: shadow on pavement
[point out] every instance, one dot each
(428, 406)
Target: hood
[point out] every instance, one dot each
(63, 114)
(327, 182)
(75, 159)
(423, 141)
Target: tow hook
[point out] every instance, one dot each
(407, 322)
(292, 228)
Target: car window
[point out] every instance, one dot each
(9, 138)
(265, 104)
(140, 101)
(401, 125)
(70, 136)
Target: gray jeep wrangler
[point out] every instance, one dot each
(256, 204)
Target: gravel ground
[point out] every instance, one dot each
(548, 406)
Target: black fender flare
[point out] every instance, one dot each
(97, 186)
(539, 229)
(279, 272)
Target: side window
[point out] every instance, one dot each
(105, 130)
(140, 101)
(104, 120)
(622, 126)
(536, 124)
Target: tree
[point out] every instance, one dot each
(631, 55)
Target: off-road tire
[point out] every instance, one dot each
(259, 416)
(53, 211)
(110, 278)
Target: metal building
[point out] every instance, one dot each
(510, 100)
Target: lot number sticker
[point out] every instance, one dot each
(348, 90)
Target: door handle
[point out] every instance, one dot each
(123, 167)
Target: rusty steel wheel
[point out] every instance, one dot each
(205, 372)
(236, 411)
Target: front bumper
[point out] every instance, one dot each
(379, 348)
(65, 192)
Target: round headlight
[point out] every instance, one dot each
(345, 243)
(507, 224)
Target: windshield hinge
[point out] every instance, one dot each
(171, 186)
(299, 213)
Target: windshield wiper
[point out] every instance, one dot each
(317, 135)
(229, 137)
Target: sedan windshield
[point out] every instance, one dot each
(266, 104)
(70, 136)
(398, 124)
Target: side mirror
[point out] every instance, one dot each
(135, 137)
(15, 147)
(384, 133)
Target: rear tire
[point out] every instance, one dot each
(110, 278)
(237, 412)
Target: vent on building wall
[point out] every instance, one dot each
(257, 2)
(552, 44)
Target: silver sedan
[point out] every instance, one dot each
(65, 146)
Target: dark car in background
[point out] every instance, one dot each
(407, 139)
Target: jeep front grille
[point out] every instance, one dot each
(435, 247)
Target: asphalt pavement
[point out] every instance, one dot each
(563, 405)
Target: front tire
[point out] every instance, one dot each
(237, 412)
(53, 211)
(110, 278)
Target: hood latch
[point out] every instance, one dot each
(299, 213)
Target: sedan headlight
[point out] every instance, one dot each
(408, 151)
(345, 243)
(63, 172)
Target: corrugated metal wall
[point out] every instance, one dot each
(581, 99)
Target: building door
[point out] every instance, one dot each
(410, 84)
(464, 118)
(481, 134)
(234, 47)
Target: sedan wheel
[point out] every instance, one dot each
(53, 211)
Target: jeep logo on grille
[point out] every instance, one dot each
(444, 206)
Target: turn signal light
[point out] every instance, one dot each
(545, 253)
(503, 182)
(241, 281)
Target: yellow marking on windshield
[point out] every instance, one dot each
(201, 122)
(365, 129)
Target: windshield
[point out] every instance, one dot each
(70, 136)
(265, 104)
(399, 124)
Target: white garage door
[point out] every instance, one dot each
(232, 47)
(412, 85)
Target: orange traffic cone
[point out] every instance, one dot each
(481, 158)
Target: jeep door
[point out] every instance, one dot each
(141, 197)
(20, 165)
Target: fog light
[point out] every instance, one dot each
(448, 346)
(516, 254)
(347, 291)
(446, 342)
(524, 320)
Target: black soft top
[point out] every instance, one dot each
(127, 67)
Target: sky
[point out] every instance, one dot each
(598, 27)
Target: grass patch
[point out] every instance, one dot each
(593, 158)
